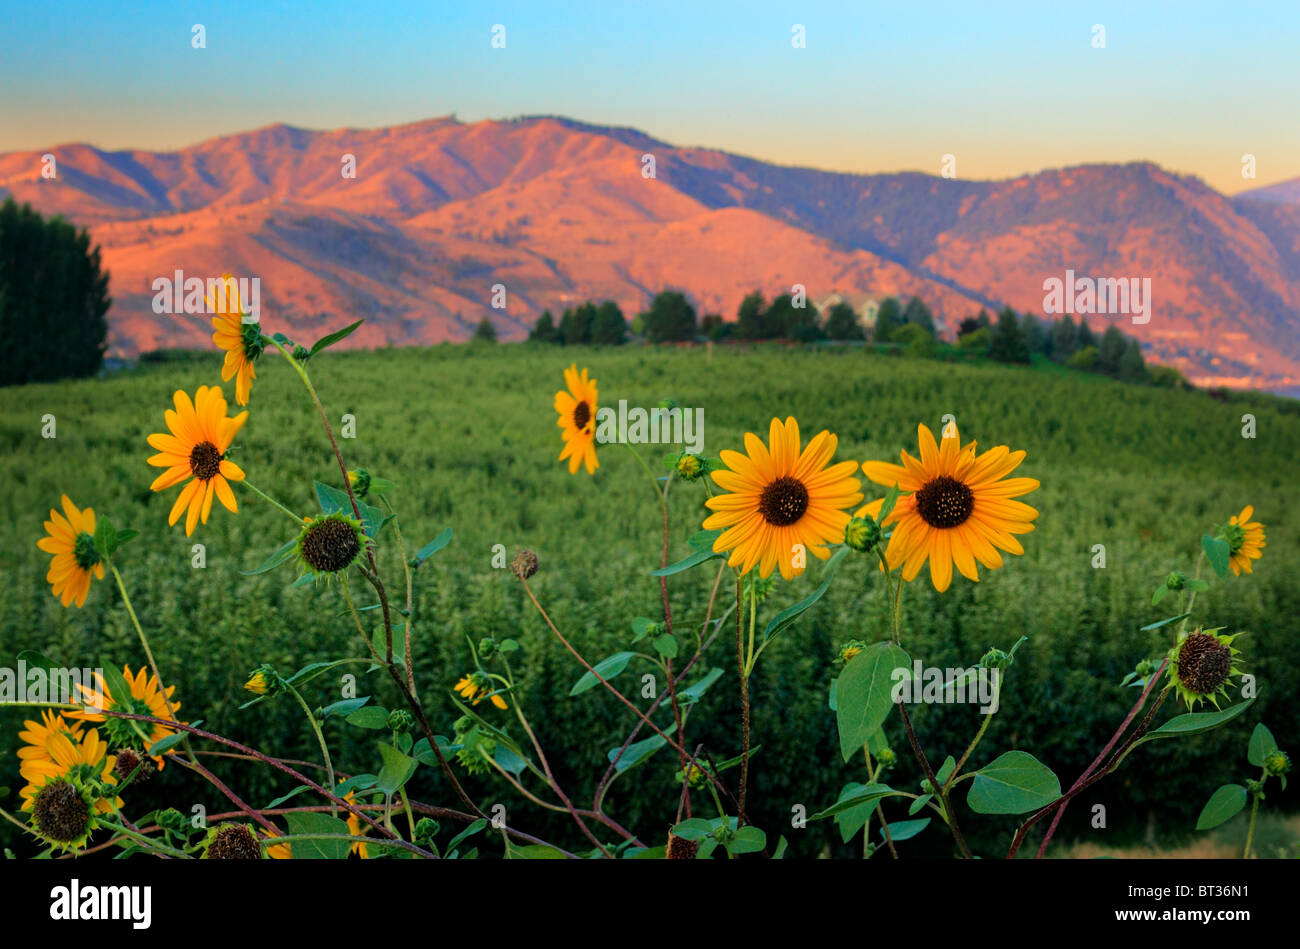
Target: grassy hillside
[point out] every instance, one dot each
(469, 435)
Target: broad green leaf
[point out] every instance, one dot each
(638, 751)
(747, 840)
(344, 707)
(606, 669)
(1164, 622)
(1262, 744)
(666, 645)
(534, 852)
(334, 501)
(850, 821)
(508, 760)
(699, 557)
(703, 540)
(105, 537)
(433, 546)
(782, 620)
(1013, 783)
(396, 771)
(281, 554)
(945, 770)
(36, 660)
(371, 716)
(1162, 591)
(1217, 552)
(641, 628)
(694, 828)
(468, 832)
(1193, 723)
(309, 822)
(695, 692)
(166, 744)
(327, 341)
(865, 794)
(919, 803)
(1224, 804)
(905, 829)
(118, 690)
(863, 694)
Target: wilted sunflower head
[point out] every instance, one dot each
(329, 544)
(1202, 664)
(62, 814)
(231, 842)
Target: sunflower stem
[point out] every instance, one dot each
(320, 737)
(270, 500)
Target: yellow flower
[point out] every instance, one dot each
(354, 828)
(241, 341)
(259, 682)
(473, 688)
(146, 699)
(1245, 540)
(81, 759)
(71, 539)
(782, 500)
(577, 421)
(38, 734)
(196, 448)
(958, 508)
(276, 851)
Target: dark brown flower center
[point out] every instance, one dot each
(234, 842)
(330, 544)
(60, 812)
(783, 501)
(1204, 663)
(944, 502)
(581, 415)
(205, 461)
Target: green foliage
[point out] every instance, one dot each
(485, 332)
(1085, 359)
(544, 330)
(53, 298)
(1008, 342)
(842, 323)
(888, 316)
(608, 327)
(671, 318)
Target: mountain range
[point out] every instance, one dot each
(558, 211)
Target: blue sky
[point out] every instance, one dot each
(1009, 88)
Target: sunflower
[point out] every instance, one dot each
(781, 499)
(577, 421)
(200, 435)
(38, 734)
(1202, 664)
(354, 828)
(83, 761)
(71, 539)
(241, 341)
(1245, 540)
(957, 509)
(146, 699)
(475, 686)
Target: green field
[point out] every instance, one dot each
(469, 436)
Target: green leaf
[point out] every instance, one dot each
(371, 716)
(118, 690)
(945, 771)
(289, 796)
(308, 822)
(396, 771)
(1200, 586)
(282, 553)
(865, 794)
(1262, 744)
(165, 744)
(606, 669)
(1164, 622)
(641, 628)
(534, 852)
(105, 537)
(125, 535)
(747, 839)
(850, 821)
(905, 829)
(1217, 552)
(509, 761)
(36, 660)
(782, 620)
(433, 546)
(638, 751)
(1161, 592)
(702, 540)
(1223, 805)
(699, 557)
(345, 707)
(863, 694)
(334, 501)
(666, 645)
(919, 803)
(468, 832)
(695, 692)
(327, 341)
(694, 828)
(1013, 783)
(1193, 723)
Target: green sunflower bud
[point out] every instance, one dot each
(862, 534)
(1277, 763)
(400, 720)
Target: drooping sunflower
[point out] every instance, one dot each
(1202, 664)
(1245, 540)
(36, 736)
(200, 434)
(781, 500)
(958, 509)
(71, 539)
(241, 341)
(475, 687)
(577, 421)
(84, 761)
(146, 699)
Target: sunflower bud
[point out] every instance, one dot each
(360, 481)
(1277, 763)
(232, 842)
(862, 534)
(400, 720)
(1175, 581)
(690, 466)
(486, 646)
(849, 650)
(263, 680)
(173, 820)
(426, 828)
(886, 757)
(525, 563)
(696, 776)
(995, 659)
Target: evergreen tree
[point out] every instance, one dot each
(785, 320)
(1008, 342)
(1132, 367)
(751, 322)
(485, 332)
(842, 322)
(671, 318)
(544, 329)
(53, 298)
(714, 327)
(1085, 337)
(888, 318)
(575, 324)
(1110, 352)
(917, 313)
(1064, 339)
(608, 327)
